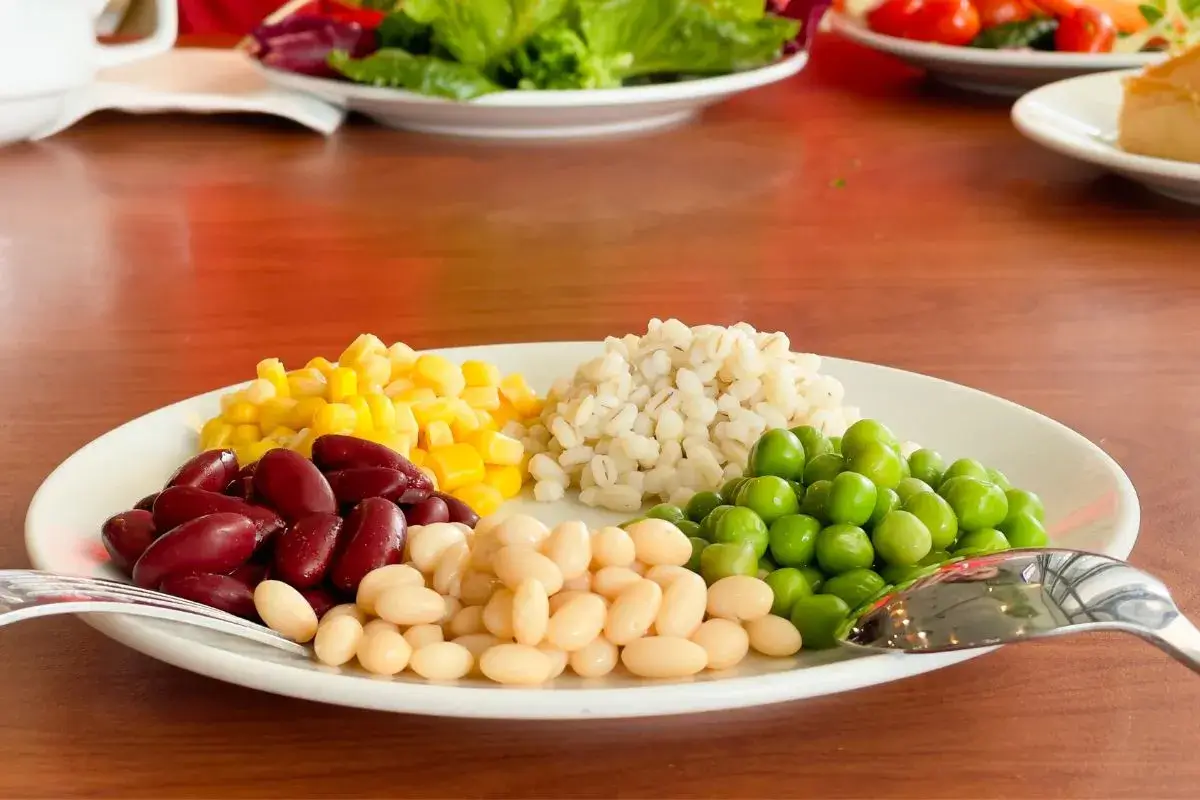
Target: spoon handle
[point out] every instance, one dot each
(1181, 640)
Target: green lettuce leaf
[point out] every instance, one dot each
(399, 30)
(480, 32)
(557, 57)
(427, 75)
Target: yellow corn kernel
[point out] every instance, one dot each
(398, 387)
(366, 344)
(400, 442)
(417, 456)
(229, 400)
(483, 397)
(271, 370)
(505, 413)
(303, 442)
(533, 411)
(506, 479)
(374, 371)
(406, 421)
(480, 373)
(439, 410)
(343, 382)
(432, 477)
(307, 382)
(275, 412)
(363, 424)
(486, 422)
(417, 394)
(383, 412)
(517, 391)
(401, 357)
(320, 364)
(496, 448)
(241, 413)
(440, 374)
(252, 451)
(282, 434)
(455, 465)
(483, 499)
(210, 426)
(245, 434)
(438, 434)
(334, 418)
(216, 436)
(305, 410)
(258, 391)
(465, 423)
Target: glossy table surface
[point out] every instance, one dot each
(143, 260)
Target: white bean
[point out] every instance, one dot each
(419, 636)
(530, 613)
(595, 659)
(489, 523)
(657, 541)
(683, 605)
(558, 660)
(476, 588)
(426, 544)
(442, 661)
(663, 657)
(383, 652)
(514, 564)
(467, 621)
(410, 605)
(565, 596)
(477, 644)
(448, 574)
(380, 625)
(725, 642)
(665, 574)
(608, 582)
(633, 612)
(612, 547)
(344, 610)
(498, 614)
(515, 664)
(337, 641)
(740, 598)
(577, 622)
(483, 551)
(582, 583)
(570, 547)
(522, 530)
(377, 580)
(774, 636)
(285, 611)
(453, 606)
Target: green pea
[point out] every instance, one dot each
(698, 547)
(740, 524)
(836, 443)
(814, 442)
(818, 619)
(907, 487)
(966, 467)
(815, 499)
(864, 432)
(777, 452)
(1022, 501)
(629, 522)
(689, 528)
(901, 538)
(701, 504)
(814, 576)
(855, 586)
(823, 468)
(938, 516)
(878, 462)
(722, 560)
(792, 539)
(935, 558)
(886, 502)
(901, 573)
(766, 565)
(841, 548)
(798, 490)
(980, 541)
(672, 514)
(1024, 530)
(928, 466)
(788, 585)
(729, 489)
(999, 478)
(851, 499)
(769, 496)
(709, 525)
(976, 503)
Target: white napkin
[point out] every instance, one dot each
(196, 80)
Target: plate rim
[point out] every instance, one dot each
(156, 639)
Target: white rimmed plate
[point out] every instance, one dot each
(540, 115)
(1090, 504)
(1078, 118)
(999, 72)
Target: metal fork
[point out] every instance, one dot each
(27, 594)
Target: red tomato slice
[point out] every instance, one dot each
(952, 22)
(999, 12)
(891, 17)
(1088, 30)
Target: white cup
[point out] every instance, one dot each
(49, 47)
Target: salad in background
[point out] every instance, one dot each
(462, 50)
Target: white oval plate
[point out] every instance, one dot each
(543, 114)
(1078, 118)
(998, 72)
(1090, 504)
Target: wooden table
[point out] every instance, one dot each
(148, 259)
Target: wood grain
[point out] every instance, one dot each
(143, 260)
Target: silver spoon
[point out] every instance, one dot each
(1013, 596)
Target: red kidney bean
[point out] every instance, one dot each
(242, 486)
(147, 502)
(126, 536)
(337, 452)
(211, 470)
(352, 486)
(303, 551)
(213, 543)
(180, 504)
(459, 511)
(250, 574)
(222, 592)
(320, 599)
(292, 485)
(374, 537)
(427, 512)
